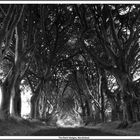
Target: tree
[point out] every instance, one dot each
(117, 41)
(8, 84)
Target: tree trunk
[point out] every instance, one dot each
(36, 115)
(126, 94)
(17, 100)
(5, 100)
(44, 112)
(102, 88)
(5, 96)
(87, 108)
(102, 107)
(128, 110)
(15, 95)
(44, 108)
(33, 101)
(34, 106)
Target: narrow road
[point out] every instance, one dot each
(71, 132)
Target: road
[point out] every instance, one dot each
(71, 132)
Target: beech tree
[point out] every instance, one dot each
(53, 31)
(9, 24)
(91, 49)
(115, 31)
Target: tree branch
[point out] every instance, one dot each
(114, 32)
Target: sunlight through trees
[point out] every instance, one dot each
(80, 60)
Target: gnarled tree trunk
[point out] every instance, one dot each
(35, 103)
(33, 106)
(15, 95)
(17, 99)
(127, 97)
(5, 100)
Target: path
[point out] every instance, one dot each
(71, 132)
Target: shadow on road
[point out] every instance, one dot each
(71, 132)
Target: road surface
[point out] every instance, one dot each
(71, 132)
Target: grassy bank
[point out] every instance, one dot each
(112, 127)
(22, 127)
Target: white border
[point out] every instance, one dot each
(70, 2)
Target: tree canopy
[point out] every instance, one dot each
(80, 58)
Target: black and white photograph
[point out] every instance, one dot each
(70, 69)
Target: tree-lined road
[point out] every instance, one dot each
(71, 132)
(73, 62)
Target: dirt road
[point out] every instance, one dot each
(71, 132)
